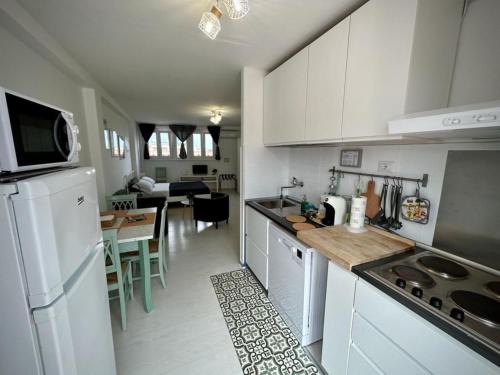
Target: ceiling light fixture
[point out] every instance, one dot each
(209, 23)
(216, 117)
(237, 9)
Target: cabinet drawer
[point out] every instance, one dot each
(381, 351)
(257, 262)
(416, 336)
(359, 365)
(256, 228)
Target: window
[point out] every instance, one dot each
(115, 151)
(164, 144)
(153, 145)
(209, 146)
(197, 145)
(107, 144)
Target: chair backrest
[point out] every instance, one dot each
(161, 239)
(111, 252)
(122, 202)
(161, 174)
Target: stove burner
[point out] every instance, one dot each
(443, 267)
(478, 306)
(493, 287)
(414, 276)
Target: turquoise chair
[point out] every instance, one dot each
(118, 273)
(122, 202)
(156, 251)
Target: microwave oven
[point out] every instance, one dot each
(35, 135)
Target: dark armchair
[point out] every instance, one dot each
(211, 209)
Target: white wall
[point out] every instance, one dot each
(24, 71)
(34, 64)
(178, 168)
(115, 168)
(263, 169)
(311, 164)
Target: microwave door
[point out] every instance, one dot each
(40, 133)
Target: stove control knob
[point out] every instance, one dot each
(417, 292)
(457, 314)
(401, 283)
(436, 302)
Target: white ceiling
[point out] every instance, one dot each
(152, 58)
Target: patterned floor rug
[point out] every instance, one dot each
(263, 342)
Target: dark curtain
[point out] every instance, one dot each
(214, 131)
(182, 132)
(147, 131)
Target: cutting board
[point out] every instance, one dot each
(372, 200)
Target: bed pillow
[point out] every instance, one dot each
(144, 186)
(149, 179)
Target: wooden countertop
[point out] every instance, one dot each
(351, 249)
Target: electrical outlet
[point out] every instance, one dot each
(385, 166)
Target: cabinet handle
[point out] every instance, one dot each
(290, 247)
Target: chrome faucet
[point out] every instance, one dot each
(295, 183)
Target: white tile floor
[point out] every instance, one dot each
(185, 333)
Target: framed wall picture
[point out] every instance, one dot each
(351, 158)
(107, 142)
(115, 147)
(121, 147)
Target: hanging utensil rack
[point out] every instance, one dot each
(422, 181)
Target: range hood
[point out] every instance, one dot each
(476, 122)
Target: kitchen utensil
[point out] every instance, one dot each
(397, 224)
(416, 209)
(373, 200)
(295, 218)
(380, 218)
(302, 226)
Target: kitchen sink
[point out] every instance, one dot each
(277, 203)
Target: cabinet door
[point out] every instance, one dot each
(341, 285)
(285, 101)
(257, 228)
(257, 261)
(325, 84)
(379, 52)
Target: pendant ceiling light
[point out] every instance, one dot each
(237, 9)
(209, 23)
(216, 117)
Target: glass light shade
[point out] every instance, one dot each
(216, 117)
(237, 9)
(210, 24)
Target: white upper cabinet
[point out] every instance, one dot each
(400, 60)
(285, 101)
(389, 58)
(325, 84)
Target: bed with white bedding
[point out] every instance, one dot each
(177, 191)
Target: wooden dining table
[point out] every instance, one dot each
(133, 236)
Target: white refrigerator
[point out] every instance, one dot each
(54, 309)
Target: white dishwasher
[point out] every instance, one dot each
(297, 285)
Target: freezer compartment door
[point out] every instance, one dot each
(74, 333)
(58, 224)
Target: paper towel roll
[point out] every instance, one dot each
(358, 208)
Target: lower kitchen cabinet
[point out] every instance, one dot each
(395, 339)
(368, 332)
(256, 244)
(257, 261)
(340, 289)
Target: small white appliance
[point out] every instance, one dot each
(35, 135)
(335, 214)
(55, 315)
(297, 285)
(471, 122)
